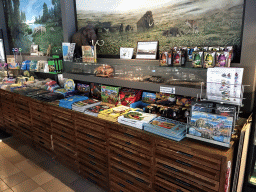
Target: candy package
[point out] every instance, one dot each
(129, 96)
(209, 59)
(197, 60)
(222, 59)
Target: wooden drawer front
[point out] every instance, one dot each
(59, 149)
(9, 118)
(97, 138)
(23, 114)
(44, 127)
(114, 187)
(187, 174)
(42, 133)
(24, 120)
(180, 181)
(126, 185)
(7, 97)
(44, 118)
(184, 152)
(130, 133)
(165, 186)
(35, 106)
(22, 107)
(21, 101)
(87, 157)
(93, 177)
(192, 166)
(89, 146)
(132, 154)
(135, 168)
(46, 143)
(93, 172)
(8, 106)
(80, 117)
(63, 130)
(60, 113)
(86, 125)
(67, 161)
(64, 142)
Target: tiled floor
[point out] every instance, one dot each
(23, 169)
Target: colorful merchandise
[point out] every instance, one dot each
(129, 96)
(67, 103)
(163, 59)
(84, 89)
(136, 119)
(69, 85)
(33, 65)
(25, 65)
(209, 59)
(168, 128)
(165, 98)
(184, 101)
(82, 105)
(148, 97)
(222, 59)
(96, 90)
(197, 59)
(104, 71)
(210, 128)
(109, 94)
(94, 111)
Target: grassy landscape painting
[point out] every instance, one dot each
(171, 22)
(34, 22)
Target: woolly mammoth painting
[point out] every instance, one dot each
(122, 23)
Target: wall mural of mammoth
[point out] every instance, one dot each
(145, 22)
(84, 36)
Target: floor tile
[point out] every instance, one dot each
(42, 178)
(16, 158)
(9, 153)
(46, 165)
(39, 189)
(23, 165)
(80, 185)
(15, 179)
(53, 185)
(7, 171)
(64, 174)
(25, 186)
(3, 186)
(30, 153)
(66, 189)
(8, 190)
(31, 172)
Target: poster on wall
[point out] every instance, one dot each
(34, 22)
(171, 22)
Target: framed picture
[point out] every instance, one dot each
(2, 52)
(34, 50)
(146, 49)
(126, 53)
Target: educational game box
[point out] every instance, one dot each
(136, 118)
(94, 111)
(109, 94)
(210, 128)
(168, 128)
(82, 105)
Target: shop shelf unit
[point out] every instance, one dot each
(2, 127)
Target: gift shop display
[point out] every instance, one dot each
(129, 96)
(82, 105)
(68, 102)
(94, 111)
(109, 94)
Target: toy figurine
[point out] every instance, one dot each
(222, 60)
(197, 59)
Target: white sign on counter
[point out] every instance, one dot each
(170, 90)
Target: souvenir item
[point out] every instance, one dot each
(82, 105)
(197, 59)
(165, 98)
(183, 56)
(202, 107)
(168, 128)
(68, 51)
(67, 103)
(34, 50)
(126, 53)
(190, 53)
(184, 101)
(83, 88)
(169, 57)
(209, 59)
(163, 59)
(113, 113)
(129, 96)
(88, 54)
(94, 111)
(96, 90)
(229, 49)
(222, 59)
(136, 119)
(104, 71)
(49, 97)
(69, 85)
(109, 94)
(148, 97)
(53, 87)
(147, 50)
(210, 128)
(25, 65)
(33, 65)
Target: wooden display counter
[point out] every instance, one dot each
(114, 156)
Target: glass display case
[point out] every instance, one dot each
(143, 72)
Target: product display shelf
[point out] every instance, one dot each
(2, 127)
(119, 157)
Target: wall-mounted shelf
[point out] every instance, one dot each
(155, 87)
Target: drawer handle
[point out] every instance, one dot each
(91, 149)
(126, 134)
(178, 190)
(171, 168)
(140, 180)
(119, 155)
(130, 182)
(120, 162)
(90, 142)
(127, 143)
(92, 163)
(90, 135)
(122, 185)
(183, 163)
(186, 154)
(91, 174)
(138, 163)
(139, 172)
(91, 156)
(98, 172)
(120, 170)
(182, 182)
(129, 152)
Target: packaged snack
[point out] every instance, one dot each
(148, 97)
(209, 59)
(229, 49)
(184, 101)
(129, 96)
(83, 88)
(82, 105)
(197, 59)
(165, 98)
(183, 56)
(109, 94)
(222, 59)
(190, 53)
(96, 90)
(169, 58)
(163, 59)
(176, 58)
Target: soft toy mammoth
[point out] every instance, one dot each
(84, 36)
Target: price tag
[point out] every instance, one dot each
(170, 90)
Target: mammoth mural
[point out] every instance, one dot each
(128, 28)
(145, 22)
(84, 36)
